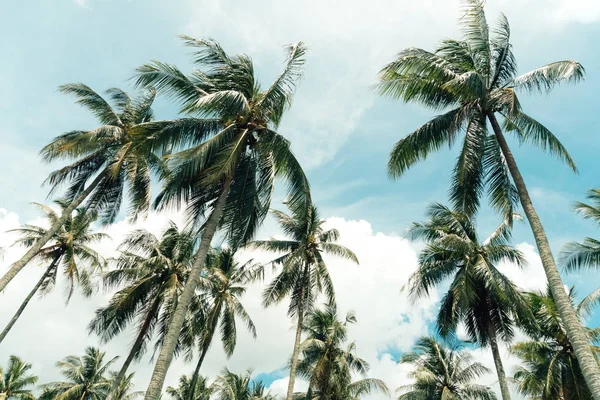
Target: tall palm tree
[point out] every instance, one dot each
(86, 378)
(68, 250)
(549, 369)
(476, 78)
(225, 282)
(442, 372)
(202, 390)
(303, 272)
(329, 367)
(16, 380)
(112, 156)
(480, 296)
(125, 389)
(231, 386)
(229, 154)
(579, 256)
(152, 272)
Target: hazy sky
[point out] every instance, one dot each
(340, 130)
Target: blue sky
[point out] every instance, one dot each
(340, 130)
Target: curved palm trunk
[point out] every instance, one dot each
(33, 250)
(296, 352)
(168, 348)
(205, 345)
(137, 345)
(575, 331)
(29, 297)
(498, 362)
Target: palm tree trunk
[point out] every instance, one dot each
(296, 352)
(168, 348)
(29, 297)
(205, 345)
(575, 331)
(137, 345)
(37, 246)
(498, 362)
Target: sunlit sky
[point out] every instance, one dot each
(340, 130)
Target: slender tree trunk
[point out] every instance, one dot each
(575, 331)
(168, 348)
(296, 352)
(3, 396)
(498, 362)
(29, 297)
(205, 346)
(137, 345)
(37, 246)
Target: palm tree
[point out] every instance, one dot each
(202, 390)
(115, 155)
(476, 78)
(86, 378)
(328, 367)
(549, 370)
(16, 380)
(125, 388)
(69, 249)
(225, 282)
(230, 155)
(231, 386)
(303, 272)
(480, 296)
(442, 372)
(152, 272)
(578, 256)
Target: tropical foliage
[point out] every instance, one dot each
(16, 380)
(580, 256)
(441, 372)
(549, 369)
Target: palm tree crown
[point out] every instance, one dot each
(578, 256)
(231, 386)
(475, 77)
(550, 370)
(480, 296)
(327, 365)
(69, 248)
(202, 390)
(86, 378)
(16, 380)
(443, 373)
(152, 272)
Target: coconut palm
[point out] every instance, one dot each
(549, 369)
(16, 381)
(227, 154)
(303, 274)
(329, 367)
(202, 390)
(579, 256)
(112, 156)
(125, 389)
(231, 386)
(442, 372)
(151, 272)
(68, 251)
(479, 296)
(475, 78)
(225, 282)
(86, 378)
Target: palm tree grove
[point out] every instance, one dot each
(300, 201)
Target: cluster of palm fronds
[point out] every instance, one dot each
(219, 162)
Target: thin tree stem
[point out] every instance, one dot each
(166, 352)
(137, 345)
(205, 346)
(498, 362)
(29, 297)
(573, 326)
(37, 246)
(296, 352)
